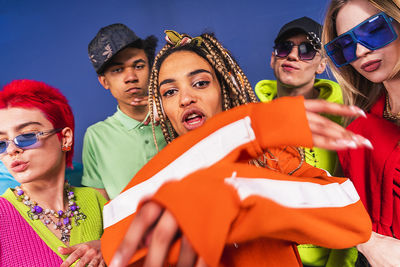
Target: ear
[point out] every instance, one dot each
(103, 81)
(321, 66)
(272, 60)
(67, 137)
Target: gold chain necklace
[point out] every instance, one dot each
(387, 113)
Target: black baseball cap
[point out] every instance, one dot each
(108, 42)
(300, 25)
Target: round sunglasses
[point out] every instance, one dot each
(373, 33)
(26, 140)
(306, 50)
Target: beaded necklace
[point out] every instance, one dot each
(63, 219)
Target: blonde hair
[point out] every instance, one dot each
(357, 90)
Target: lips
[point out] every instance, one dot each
(19, 166)
(192, 119)
(289, 67)
(133, 90)
(371, 65)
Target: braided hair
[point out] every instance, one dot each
(235, 87)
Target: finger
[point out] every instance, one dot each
(163, 235)
(66, 250)
(147, 121)
(324, 130)
(145, 218)
(322, 106)
(340, 144)
(139, 103)
(323, 126)
(201, 263)
(87, 257)
(94, 262)
(187, 255)
(78, 253)
(102, 263)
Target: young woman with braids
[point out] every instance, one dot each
(362, 41)
(202, 190)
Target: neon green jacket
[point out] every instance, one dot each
(266, 90)
(311, 255)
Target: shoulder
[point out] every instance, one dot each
(88, 194)
(329, 90)
(266, 90)
(6, 208)
(98, 126)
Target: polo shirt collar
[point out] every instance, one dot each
(127, 121)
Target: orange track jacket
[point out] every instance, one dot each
(236, 214)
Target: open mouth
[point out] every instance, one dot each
(193, 119)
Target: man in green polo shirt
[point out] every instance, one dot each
(116, 148)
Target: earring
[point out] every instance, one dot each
(66, 148)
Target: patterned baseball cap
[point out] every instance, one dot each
(306, 25)
(108, 42)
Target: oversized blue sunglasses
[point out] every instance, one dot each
(373, 33)
(25, 140)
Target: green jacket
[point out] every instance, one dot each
(266, 90)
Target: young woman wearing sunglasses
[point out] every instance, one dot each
(44, 221)
(362, 41)
(197, 182)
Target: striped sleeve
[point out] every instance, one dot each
(198, 168)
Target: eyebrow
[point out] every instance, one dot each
(189, 75)
(26, 124)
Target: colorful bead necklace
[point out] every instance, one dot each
(63, 219)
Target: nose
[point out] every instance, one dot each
(186, 97)
(294, 54)
(12, 149)
(130, 75)
(362, 50)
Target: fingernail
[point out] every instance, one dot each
(358, 111)
(368, 143)
(347, 143)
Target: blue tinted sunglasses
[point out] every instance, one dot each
(373, 33)
(25, 140)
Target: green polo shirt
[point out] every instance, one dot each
(115, 149)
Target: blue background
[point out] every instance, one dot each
(47, 40)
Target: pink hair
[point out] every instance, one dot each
(49, 100)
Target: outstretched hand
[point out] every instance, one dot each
(155, 228)
(88, 253)
(328, 134)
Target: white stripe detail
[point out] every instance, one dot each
(296, 194)
(203, 154)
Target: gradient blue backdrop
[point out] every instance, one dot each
(47, 40)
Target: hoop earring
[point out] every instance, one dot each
(66, 148)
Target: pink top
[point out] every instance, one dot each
(23, 246)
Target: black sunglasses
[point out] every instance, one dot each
(306, 50)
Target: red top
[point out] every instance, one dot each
(375, 173)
